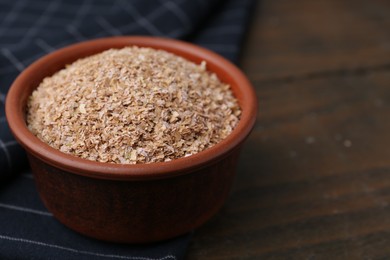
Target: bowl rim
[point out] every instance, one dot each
(244, 92)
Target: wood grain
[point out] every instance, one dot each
(314, 177)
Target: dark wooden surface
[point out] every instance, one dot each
(314, 177)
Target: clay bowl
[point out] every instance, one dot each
(131, 203)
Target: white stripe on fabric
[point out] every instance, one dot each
(44, 45)
(143, 22)
(2, 98)
(42, 20)
(7, 155)
(23, 209)
(107, 26)
(82, 11)
(11, 16)
(17, 64)
(75, 33)
(10, 143)
(154, 14)
(178, 12)
(73, 250)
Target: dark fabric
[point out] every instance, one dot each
(31, 29)
(33, 233)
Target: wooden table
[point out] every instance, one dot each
(314, 177)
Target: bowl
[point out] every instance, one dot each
(131, 203)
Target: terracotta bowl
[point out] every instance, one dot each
(131, 203)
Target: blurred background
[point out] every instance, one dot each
(314, 177)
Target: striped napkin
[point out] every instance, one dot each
(31, 29)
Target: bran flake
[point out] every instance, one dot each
(132, 105)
